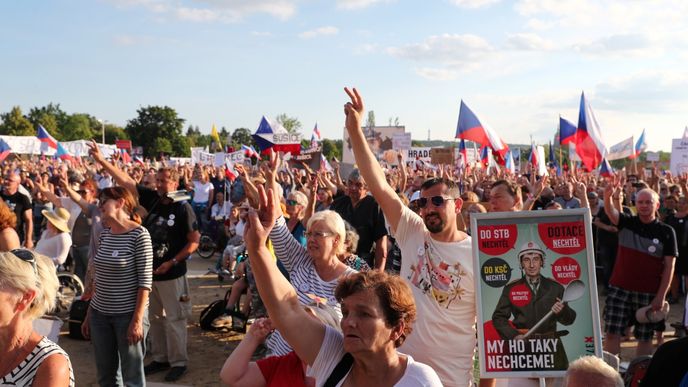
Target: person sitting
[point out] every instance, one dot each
(378, 311)
(28, 289)
(55, 241)
(289, 370)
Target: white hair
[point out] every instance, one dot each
(592, 371)
(18, 276)
(334, 222)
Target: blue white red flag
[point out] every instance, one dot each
(5, 150)
(567, 131)
(589, 143)
(462, 150)
(471, 128)
(47, 141)
(606, 170)
(533, 158)
(315, 137)
(484, 155)
(138, 160)
(640, 146)
(62, 153)
(510, 163)
(249, 151)
(126, 159)
(274, 135)
(325, 165)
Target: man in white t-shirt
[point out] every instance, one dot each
(436, 263)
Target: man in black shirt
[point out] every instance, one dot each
(363, 212)
(170, 304)
(21, 205)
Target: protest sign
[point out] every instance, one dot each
(401, 141)
(652, 156)
(679, 156)
(621, 150)
(123, 144)
(309, 157)
(524, 262)
(442, 156)
(418, 153)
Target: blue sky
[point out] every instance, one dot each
(518, 64)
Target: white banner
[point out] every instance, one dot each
(31, 145)
(679, 156)
(621, 150)
(652, 156)
(401, 141)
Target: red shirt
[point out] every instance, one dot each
(282, 371)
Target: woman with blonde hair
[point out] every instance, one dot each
(117, 317)
(9, 239)
(28, 289)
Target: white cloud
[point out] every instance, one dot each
(473, 3)
(624, 44)
(225, 11)
(645, 92)
(528, 42)
(321, 31)
(437, 74)
(358, 4)
(450, 49)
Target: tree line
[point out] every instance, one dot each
(157, 129)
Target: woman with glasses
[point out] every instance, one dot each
(117, 318)
(313, 269)
(28, 289)
(296, 203)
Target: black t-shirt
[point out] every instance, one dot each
(18, 203)
(668, 365)
(220, 186)
(680, 226)
(367, 219)
(168, 225)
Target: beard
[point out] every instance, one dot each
(433, 222)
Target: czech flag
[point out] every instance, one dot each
(484, 156)
(606, 170)
(62, 153)
(589, 144)
(510, 163)
(462, 151)
(126, 159)
(471, 128)
(47, 141)
(5, 150)
(138, 160)
(325, 165)
(640, 146)
(250, 151)
(315, 137)
(533, 158)
(567, 131)
(275, 136)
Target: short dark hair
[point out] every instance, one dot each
(512, 188)
(451, 186)
(394, 294)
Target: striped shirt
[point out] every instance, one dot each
(302, 276)
(25, 372)
(123, 264)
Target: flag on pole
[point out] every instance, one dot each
(462, 151)
(533, 158)
(471, 128)
(567, 131)
(606, 169)
(62, 153)
(47, 141)
(274, 135)
(484, 155)
(250, 151)
(640, 146)
(589, 143)
(510, 162)
(325, 165)
(5, 150)
(215, 136)
(126, 159)
(315, 137)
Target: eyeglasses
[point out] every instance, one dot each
(292, 202)
(437, 201)
(318, 234)
(27, 256)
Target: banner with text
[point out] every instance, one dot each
(524, 265)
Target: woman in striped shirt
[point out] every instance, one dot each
(117, 318)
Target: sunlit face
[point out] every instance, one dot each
(646, 205)
(363, 324)
(532, 263)
(294, 209)
(501, 199)
(322, 196)
(11, 184)
(356, 189)
(439, 218)
(164, 183)
(321, 242)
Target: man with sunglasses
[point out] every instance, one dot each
(437, 262)
(363, 212)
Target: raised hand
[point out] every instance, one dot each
(260, 329)
(94, 151)
(353, 110)
(256, 233)
(240, 170)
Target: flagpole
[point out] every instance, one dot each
(561, 163)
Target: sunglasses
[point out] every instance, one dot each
(318, 234)
(437, 201)
(27, 256)
(292, 202)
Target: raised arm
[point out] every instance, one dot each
(402, 173)
(120, 176)
(367, 164)
(301, 331)
(611, 191)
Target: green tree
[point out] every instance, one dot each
(370, 122)
(181, 146)
(112, 133)
(331, 149)
(156, 123)
(291, 124)
(77, 127)
(241, 136)
(15, 124)
(51, 116)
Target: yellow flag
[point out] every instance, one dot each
(215, 136)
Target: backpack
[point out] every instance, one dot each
(214, 310)
(636, 371)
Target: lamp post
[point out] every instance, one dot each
(102, 123)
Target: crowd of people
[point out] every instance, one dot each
(337, 272)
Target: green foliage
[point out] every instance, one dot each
(77, 127)
(370, 121)
(51, 116)
(181, 146)
(112, 133)
(291, 124)
(332, 148)
(15, 124)
(241, 136)
(157, 129)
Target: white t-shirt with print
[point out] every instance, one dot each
(332, 351)
(440, 275)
